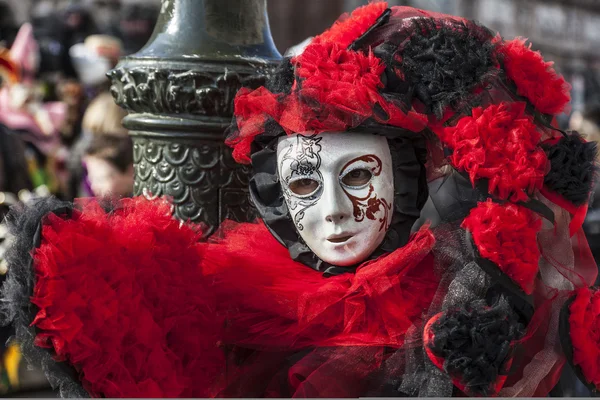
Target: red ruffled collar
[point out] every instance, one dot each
(275, 303)
(141, 308)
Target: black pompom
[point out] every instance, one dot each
(282, 78)
(443, 64)
(572, 168)
(476, 343)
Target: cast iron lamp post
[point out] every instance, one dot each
(179, 91)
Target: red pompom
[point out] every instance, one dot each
(534, 77)
(348, 28)
(499, 143)
(506, 234)
(584, 331)
(328, 63)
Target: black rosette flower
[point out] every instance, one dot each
(474, 345)
(443, 64)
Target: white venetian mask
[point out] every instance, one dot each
(339, 191)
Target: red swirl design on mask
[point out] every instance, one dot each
(370, 204)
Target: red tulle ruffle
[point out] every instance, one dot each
(277, 303)
(121, 298)
(344, 326)
(141, 308)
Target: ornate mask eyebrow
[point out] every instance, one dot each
(300, 175)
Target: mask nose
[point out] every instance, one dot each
(334, 217)
(337, 206)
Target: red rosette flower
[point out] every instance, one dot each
(506, 234)
(584, 334)
(338, 89)
(341, 80)
(534, 77)
(498, 143)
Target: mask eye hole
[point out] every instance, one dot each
(304, 186)
(357, 177)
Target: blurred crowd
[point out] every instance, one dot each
(60, 130)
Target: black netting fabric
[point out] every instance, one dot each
(25, 224)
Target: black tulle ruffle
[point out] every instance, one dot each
(25, 225)
(282, 78)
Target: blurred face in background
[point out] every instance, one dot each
(108, 149)
(106, 179)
